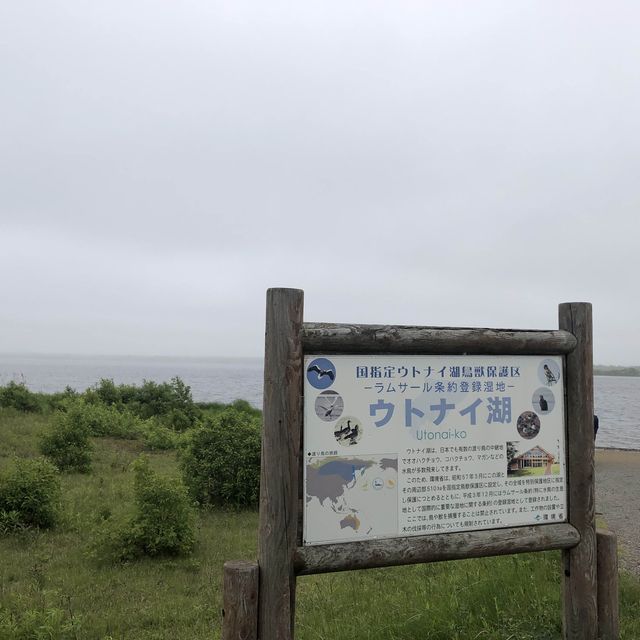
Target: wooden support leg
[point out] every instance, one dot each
(608, 616)
(240, 600)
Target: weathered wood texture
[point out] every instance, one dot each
(240, 600)
(447, 546)
(282, 419)
(608, 613)
(580, 615)
(385, 339)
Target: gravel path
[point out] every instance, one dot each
(618, 501)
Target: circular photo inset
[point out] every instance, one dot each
(329, 406)
(528, 425)
(543, 401)
(348, 431)
(321, 373)
(549, 372)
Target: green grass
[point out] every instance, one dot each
(513, 597)
(47, 577)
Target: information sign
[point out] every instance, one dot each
(419, 445)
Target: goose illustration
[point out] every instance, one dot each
(348, 434)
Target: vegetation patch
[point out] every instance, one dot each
(221, 461)
(50, 589)
(66, 442)
(162, 522)
(169, 402)
(15, 395)
(29, 495)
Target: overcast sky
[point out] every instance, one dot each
(163, 163)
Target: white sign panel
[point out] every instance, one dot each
(418, 445)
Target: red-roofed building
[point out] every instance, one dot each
(536, 457)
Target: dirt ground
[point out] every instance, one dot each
(618, 501)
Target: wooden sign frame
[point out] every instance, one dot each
(281, 556)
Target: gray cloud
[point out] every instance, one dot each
(164, 163)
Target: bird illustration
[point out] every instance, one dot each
(348, 433)
(329, 410)
(353, 436)
(544, 405)
(550, 377)
(322, 372)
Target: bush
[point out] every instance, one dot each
(29, 495)
(101, 420)
(17, 396)
(244, 407)
(215, 408)
(171, 402)
(58, 401)
(162, 523)
(178, 420)
(66, 443)
(221, 461)
(107, 392)
(157, 436)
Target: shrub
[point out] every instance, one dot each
(170, 401)
(221, 460)
(244, 407)
(153, 399)
(178, 420)
(215, 408)
(101, 420)
(16, 395)
(108, 393)
(157, 436)
(162, 522)
(60, 400)
(66, 443)
(29, 495)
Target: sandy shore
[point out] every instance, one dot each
(618, 501)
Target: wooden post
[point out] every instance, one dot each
(240, 600)
(319, 337)
(580, 615)
(608, 616)
(281, 434)
(367, 554)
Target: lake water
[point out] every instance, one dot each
(617, 399)
(210, 379)
(617, 405)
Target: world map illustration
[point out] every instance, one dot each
(351, 498)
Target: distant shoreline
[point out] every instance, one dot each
(626, 372)
(598, 369)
